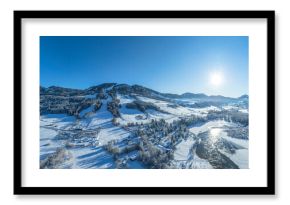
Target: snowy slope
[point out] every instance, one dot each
(97, 139)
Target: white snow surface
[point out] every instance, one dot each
(186, 157)
(98, 157)
(165, 106)
(240, 158)
(84, 157)
(60, 121)
(209, 125)
(198, 163)
(241, 142)
(183, 149)
(244, 110)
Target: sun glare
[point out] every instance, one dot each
(214, 135)
(216, 79)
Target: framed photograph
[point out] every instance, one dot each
(144, 102)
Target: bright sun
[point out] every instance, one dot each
(216, 79)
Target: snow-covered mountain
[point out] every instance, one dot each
(130, 126)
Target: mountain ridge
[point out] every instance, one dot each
(135, 88)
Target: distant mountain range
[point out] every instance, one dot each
(126, 89)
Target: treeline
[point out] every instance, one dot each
(152, 156)
(239, 133)
(113, 148)
(158, 140)
(64, 105)
(230, 116)
(50, 104)
(56, 159)
(60, 91)
(113, 106)
(143, 106)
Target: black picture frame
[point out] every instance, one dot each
(268, 190)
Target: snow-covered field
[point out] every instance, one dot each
(209, 125)
(241, 158)
(183, 150)
(215, 128)
(101, 139)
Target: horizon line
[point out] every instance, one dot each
(145, 87)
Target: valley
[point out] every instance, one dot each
(119, 126)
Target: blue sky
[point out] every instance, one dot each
(171, 64)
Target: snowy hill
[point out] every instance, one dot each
(130, 126)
